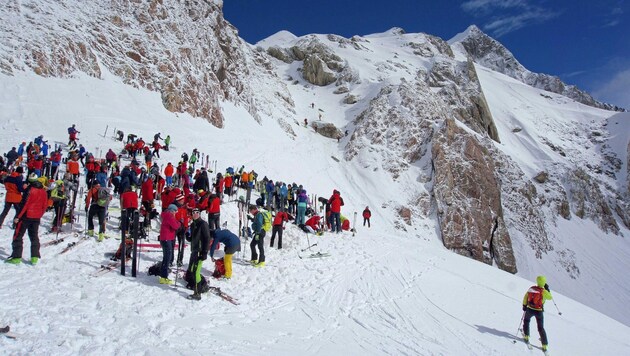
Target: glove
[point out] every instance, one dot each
(524, 307)
(547, 287)
(86, 209)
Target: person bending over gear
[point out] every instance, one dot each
(232, 245)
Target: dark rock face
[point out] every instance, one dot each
(588, 201)
(468, 197)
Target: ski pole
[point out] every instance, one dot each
(554, 303)
(519, 327)
(177, 273)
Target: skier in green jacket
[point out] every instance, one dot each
(533, 305)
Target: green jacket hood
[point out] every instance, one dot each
(541, 281)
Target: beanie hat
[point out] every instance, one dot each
(172, 208)
(19, 170)
(32, 177)
(180, 196)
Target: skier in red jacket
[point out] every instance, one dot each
(367, 214)
(336, 202)
(28, 219)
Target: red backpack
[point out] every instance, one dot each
(535, 298)
(219, 268)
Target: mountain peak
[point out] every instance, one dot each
(471, 32)
(280, 38)
(394, 31)
(492, 54)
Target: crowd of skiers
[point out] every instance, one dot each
(186, 194)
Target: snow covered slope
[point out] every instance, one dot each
(381, 292)
(572, 223)
(533, 124)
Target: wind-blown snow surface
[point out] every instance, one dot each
(381, 292)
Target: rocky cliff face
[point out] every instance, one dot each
(416, 119)
(468, 198)
(184, 50)
(491, 54)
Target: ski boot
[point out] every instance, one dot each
(165, 281)
(14, 260)
(34, 260)
(260, 264)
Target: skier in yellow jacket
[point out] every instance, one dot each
(533, 305)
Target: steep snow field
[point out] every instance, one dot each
(603, 259)
(381, 292)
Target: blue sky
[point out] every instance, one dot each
(586, 43)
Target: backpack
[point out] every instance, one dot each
(219, 269)
(535, 298)
(128, 251)
(102, 197)
(266, 220)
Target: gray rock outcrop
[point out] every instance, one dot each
(468, 198)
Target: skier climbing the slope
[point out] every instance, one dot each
(533, 306)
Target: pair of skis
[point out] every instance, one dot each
(72, 245)
(218, 292)
(315, 255)
(106, 268)
(530, 346)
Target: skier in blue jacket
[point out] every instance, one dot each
(232, 244)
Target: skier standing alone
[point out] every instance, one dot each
(367, 214)
(533, 305)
